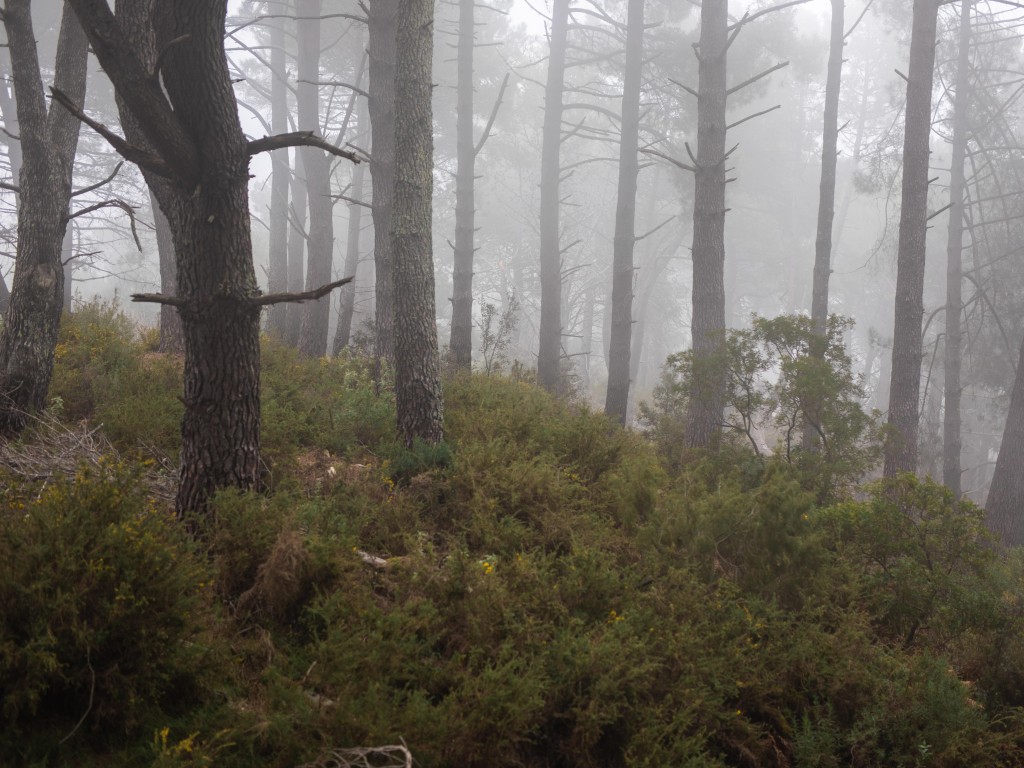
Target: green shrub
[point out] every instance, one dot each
(102, 604)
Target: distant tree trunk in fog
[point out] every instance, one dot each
(66, 251)
(1004, 509)
(461, 343)
(49, 140)
(826, 194)
(343, 333)
(296, 254)
(171, 334)
(827, 188)
(549, 357)
(617, 397)
(316, 165)
(704, 411)
(417, 376)
(382, 25)
(280, 171)
(904, 392)
(951, 439)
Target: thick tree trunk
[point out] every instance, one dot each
(205, 198)
(171, 335)
(617, 396)
(48, 144)
(904, 392)
(296, 255)
(417, 377)
(279, 178)
(549, 356)
(951, 439)
(382, 26)
(348, 292)
(704, 411)
(1004, 510)
(316, 314)
(461, 343)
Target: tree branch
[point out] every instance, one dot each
(280, 298)
(751, 117)
(111, 204)
(97, 185)
(762, 12)
(672, 160)
(490, 120)
(297, 139)
(755, 78)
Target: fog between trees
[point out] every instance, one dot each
(543, 255)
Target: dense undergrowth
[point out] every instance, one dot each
(543, 590)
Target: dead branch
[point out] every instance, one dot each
(392, 756)
(112, 204)
(280, 298)
(97, 185)
(751, 117)
(672, 160)
(297, 139)
(494, 114)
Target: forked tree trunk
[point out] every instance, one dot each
(617, 397)
(417, 377)
(461, 343)
(549, 356)
(382, 25)
(316, 314)
(904, 392)
(279, 177)
(48, 144)
(951, 438)
(704, 410)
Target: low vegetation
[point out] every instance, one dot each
(542, 590)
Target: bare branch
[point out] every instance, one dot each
(859, 19)
(755, 78)
(297, 139)
(672, 160)
(759, 14)
(280, 298)
(159, 298)
(751, 117)
(686, 88)
(494, 115)
(97, 185)
(112, 204)
(11, 187)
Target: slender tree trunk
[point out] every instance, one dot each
(951, 439)
(617, 397)
(461, 343)
(904, 392)
(67, 250)
(49, 141)
(171, 335)
(348, 292)
(417, 377)
(316, 314)
(704, 411)
(382, 26)
(296, 255)
(1004, 509)
(549, 357)
(279, 177)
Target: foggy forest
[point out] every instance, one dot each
(512, 382)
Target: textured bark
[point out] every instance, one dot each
(461, 343)
(279, 177)
(296, 257)
(617, 397)
(904, 391)
(49, 141)
(316, 164)
(549, 356)
(417, 378)
(1004, 509)
(951, 438)
(704, 411)
(382, 27)
(206, 204)
(172, 338)
(348, 292)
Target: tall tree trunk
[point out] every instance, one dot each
(904, 392)
(49, 141)
(316, 314)
(192, 122)
(171, 335)
(417, 378)
(279, 177)
(296, 254)
(617, 396)
(461, 343)
(352, 255)
(549, 358)
(951, 440)
(1004, 509)
(67, 250)
(704, 411)
(382, 25)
